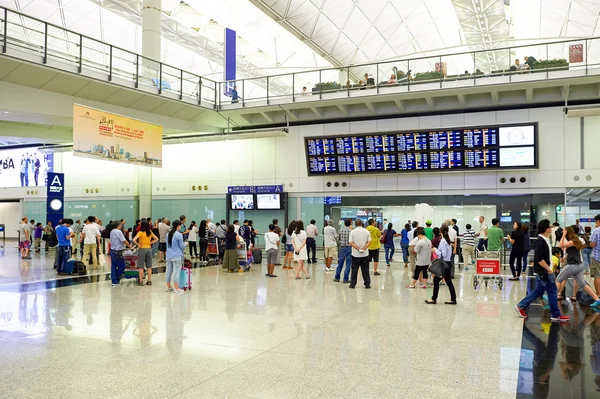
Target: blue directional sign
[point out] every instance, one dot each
(255, 189)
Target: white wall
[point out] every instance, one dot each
(283, 161)
(10, 215)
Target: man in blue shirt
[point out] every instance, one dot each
(117, 262)
(64, 235)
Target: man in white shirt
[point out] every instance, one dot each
(311, 244)
(91, 241)
(163, 230)
(236, 227)
(271, 249)
(330, 243)
(412, 256)
(359, 240)
(483, 229)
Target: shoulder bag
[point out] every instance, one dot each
(438, 268)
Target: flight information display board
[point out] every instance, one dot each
(455, 149)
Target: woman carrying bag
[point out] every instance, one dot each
(441, 268)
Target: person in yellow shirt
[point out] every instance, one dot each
(375, 245)
(144, 240)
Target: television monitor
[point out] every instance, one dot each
(268, 201)
(242, 201)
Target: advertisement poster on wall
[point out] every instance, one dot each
(25, 167)
(104, 136)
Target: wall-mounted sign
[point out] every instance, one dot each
(255, 189)
(56, 197)
(105, 136)
(24, 167)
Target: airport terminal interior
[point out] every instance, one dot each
(299, 199)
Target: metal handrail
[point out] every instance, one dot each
(218, 87)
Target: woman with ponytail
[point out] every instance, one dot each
(175, 251)
(444, 252)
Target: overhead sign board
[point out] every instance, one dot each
(255, 189)
(110, 137)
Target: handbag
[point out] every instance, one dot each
(101, 260)
(383, 236)
(438, 268)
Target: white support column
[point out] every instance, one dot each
(151, 49)
(151, 19)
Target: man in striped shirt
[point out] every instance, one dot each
(345, 253)
(468, 246)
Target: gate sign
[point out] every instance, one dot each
(269, 189)
(488, 266)
(255, 189)
(575, 53)
(56, 197)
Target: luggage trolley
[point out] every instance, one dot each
(245, 259)
(213, 250)
(487, 268)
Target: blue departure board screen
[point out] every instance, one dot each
(381, 143)
(321, 146)
(323, 165)
(350, 145)
(476, 159)
(382, 162)
(448, 149)
(412, 141)
(448, 139)
(351, 163)
(446, 159)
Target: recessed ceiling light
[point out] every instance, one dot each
(6, 112)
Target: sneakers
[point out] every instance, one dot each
(521, 312)
(178, 290)
(376, 274)
(116, 285)
(149, 282)
(346, 282)
(560, 319)
(595, 304)
(170, 289)
(336, 280)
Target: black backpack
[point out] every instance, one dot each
(106, 232)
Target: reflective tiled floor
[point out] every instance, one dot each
(247, 336)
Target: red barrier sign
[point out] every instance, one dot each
(488, 266)
(576, 53)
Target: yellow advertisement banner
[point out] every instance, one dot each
(105, 136)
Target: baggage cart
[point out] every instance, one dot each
(213, 251)
(244, 256)
(487, 269)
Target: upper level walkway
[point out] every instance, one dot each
(420, 79)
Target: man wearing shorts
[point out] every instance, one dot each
(595, 259)
(163, 230)
(25, 238)
(272, 249)
(330, 240)
(375, 245)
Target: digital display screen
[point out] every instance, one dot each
(382, 162)
(446, 159)
(517, 156)
(351, 163)
(455, 149)
(381, 143)
(242, 201)
(481, 158)
(268, 201)
(450, 139)
(322, 165)
(350, 145)
(412, 141)
(321, 146)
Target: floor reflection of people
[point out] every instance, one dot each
(117, 314)
(572, 344)
(544, 355)
(178, 310)
(91, 299)
(595, 341)
(144, 329)
(63, 308)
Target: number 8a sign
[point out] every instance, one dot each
(488, 266)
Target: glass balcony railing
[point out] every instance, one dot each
(35, 40)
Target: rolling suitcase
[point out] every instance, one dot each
(79, 268)
(257, 255)
(68, 267)
(185, 279)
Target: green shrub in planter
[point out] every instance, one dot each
(432, 75)
(558, 64)
(326, 86)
